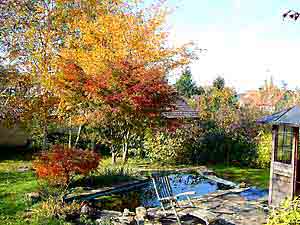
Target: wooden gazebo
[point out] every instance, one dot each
(285, 163)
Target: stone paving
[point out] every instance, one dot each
(229, 207)
(236, 209)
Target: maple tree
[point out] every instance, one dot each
(85, 61)
(60, 164)
(117, 68)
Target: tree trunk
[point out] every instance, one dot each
(70, 138)
(113, 158)
(125, 153)
(45, 134)
(78, 135)
(70, 135)
(93, 145)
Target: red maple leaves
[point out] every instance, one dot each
(59, 165)
(125, 86)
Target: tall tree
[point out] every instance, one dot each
(91, 62)
(219, 83)
(186, 86)
(30, 37)
(117, 67)
(220, 107)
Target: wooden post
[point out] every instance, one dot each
(295, 160)
(274, 153)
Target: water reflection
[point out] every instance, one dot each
(146, 196)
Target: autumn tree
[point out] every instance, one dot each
(29, 37)
(60, 165)
(117, 66)
(219, 105)
(86, 61)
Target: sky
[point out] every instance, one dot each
(247, 41)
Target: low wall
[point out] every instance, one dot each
(13, 137)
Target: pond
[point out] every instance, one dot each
(254, 194)
(145, 196)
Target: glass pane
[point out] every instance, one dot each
(284, 145)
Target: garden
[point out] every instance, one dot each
(88, 114)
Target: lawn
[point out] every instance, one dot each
(253, 177)
(14, 184)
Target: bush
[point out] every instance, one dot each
(163, 146)
(216, 146)
(287, 214)
(264, 149)
(60, 164)
(55, 212)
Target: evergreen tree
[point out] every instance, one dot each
(186, 86)
(219, 83)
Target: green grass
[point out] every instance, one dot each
(107, 175)
(13, 187)
(253, 177)
(144, 164)
(15, 184)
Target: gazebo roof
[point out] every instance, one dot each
(181, 111)
(290, 117)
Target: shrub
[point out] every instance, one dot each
(215, 146)
(54, 211)
(163, 146)
(264, 149)
(287, 214)
(60, 164)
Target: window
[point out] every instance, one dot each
(284, 145)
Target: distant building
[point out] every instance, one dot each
(268, 100)
(179, 113)
(180, 110)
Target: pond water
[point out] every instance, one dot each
(146, 196)
(254, 194)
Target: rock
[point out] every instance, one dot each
(23, 169)
(126, 212)
(152, 213)
(110, 214)
(208, 172)
(33, 197)
(243, 185)
(86, 209)
(127, 220)
(102, 221)
(152, 223)
(99, 221)
(141, 214)
(27, 214)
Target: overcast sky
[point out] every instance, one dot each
(247, 40)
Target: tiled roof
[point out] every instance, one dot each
(290, 117)
(261, 98)
(181, 110)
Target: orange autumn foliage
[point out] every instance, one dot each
(118, 61)
(60, 164)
